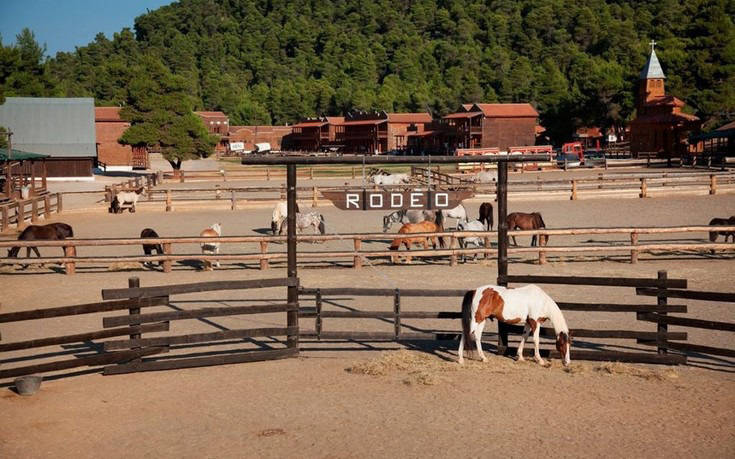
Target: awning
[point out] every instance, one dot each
(19, 155)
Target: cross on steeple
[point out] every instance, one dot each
(653, 44)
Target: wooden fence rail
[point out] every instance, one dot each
(19, 212)
(72, 257)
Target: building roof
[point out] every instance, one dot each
(409, 118)
(305, 124)
(465, 107)
(462, 115)
(724, 127)
(363, 122)
(335, 119)
(18, 155)
(212, 114)
(588, 132)
(666, 100)
(652, 69)
(57, 126)
(506, 110)
(666, 118)
(107, 114)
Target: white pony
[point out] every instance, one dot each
(125, 199)
(314, 219)
(465, 242)
(211, 248)
(486, 177)
(392, 179)
(459, 213)
(528, 305)
(279, 217)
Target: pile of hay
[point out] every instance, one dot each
(618, 368)
(125, 266)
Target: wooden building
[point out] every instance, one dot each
(19, 169)
(490, 126)
(251, 135)
(660, 126)
(217, 123)
(62, 128)
(111, 154)
(317, 134)
(380, 132)
(589, 137)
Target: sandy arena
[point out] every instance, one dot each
(377, 399)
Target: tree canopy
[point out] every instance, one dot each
(276, 61)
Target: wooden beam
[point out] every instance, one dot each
(193, 314)
(197, 338)
(81, 309)
(80, 337)
(144, 292)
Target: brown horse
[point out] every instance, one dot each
(50, 232)
(421, 227)
(486, 215)
(722, 222)
(523, 221)
(150, 233)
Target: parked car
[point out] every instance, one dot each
(594, 158)
(567, 160)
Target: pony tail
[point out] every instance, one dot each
(467, 316)
(322, 228)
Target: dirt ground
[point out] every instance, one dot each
(361, 399)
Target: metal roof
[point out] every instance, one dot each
(652, 68)
(58, 127)
(18, 155)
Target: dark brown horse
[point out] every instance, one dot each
(150, 233)
(486, 215)
(50, 232)
(722, 222)
(523, 221)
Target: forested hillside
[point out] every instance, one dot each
(275, 61)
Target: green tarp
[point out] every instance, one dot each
(19, 155)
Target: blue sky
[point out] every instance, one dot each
(65, 24)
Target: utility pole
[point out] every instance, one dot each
(8, 174)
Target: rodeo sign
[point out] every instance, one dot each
(393, 200)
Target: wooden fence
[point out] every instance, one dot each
(324, 296)
(18, 212)
(126, 354)
(270, 173)
(71, 253)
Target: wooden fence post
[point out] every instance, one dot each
(46, 207)
(59, 203)
(574, 190)
(541, 253)
(318, 321)
(662, 329)
(397, 313)
(134, 282)
(453, 246)
(166, 251)
(712, 184)
(267, 173)
(487, 246)
(224, 175)
(314, 198)
(357, 259)
(283, 192)
(69, 266)
(181, 176)
(263, 251)
(644, 188)
(169, 207)
(34, 210)
(634, 253)
(353, 172)
(5, 218)
(311, 174)
(233, 204)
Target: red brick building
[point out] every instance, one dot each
(380, 132)
(490, 126)
(109, 127)
(217, 123)
(660, 126)
(316, 134)
(250, 135)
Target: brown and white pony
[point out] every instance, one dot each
(50, 232)
(528, 305)
(523, 221)
(486, 215)
(211, 248)
(722, 222)
(421, 227)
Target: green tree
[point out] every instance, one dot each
(160, 111)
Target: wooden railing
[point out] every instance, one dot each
(358, 255)
(17, 212)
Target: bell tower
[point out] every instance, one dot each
(652, 80)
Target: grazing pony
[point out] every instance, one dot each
(211, 248)
(465, 242)
(50, 232)
(421, 227)
(150, 233)
(459, 213)
(125, 199)
(313, 219)
(280, 212)
(528, 305)
(408, 216)
(722, 222)
(522, 221)
(486, 215)
(381, 177)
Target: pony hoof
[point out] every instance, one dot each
(520, 359)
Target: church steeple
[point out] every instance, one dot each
(651, 80)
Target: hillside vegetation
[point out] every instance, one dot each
(277, 61)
